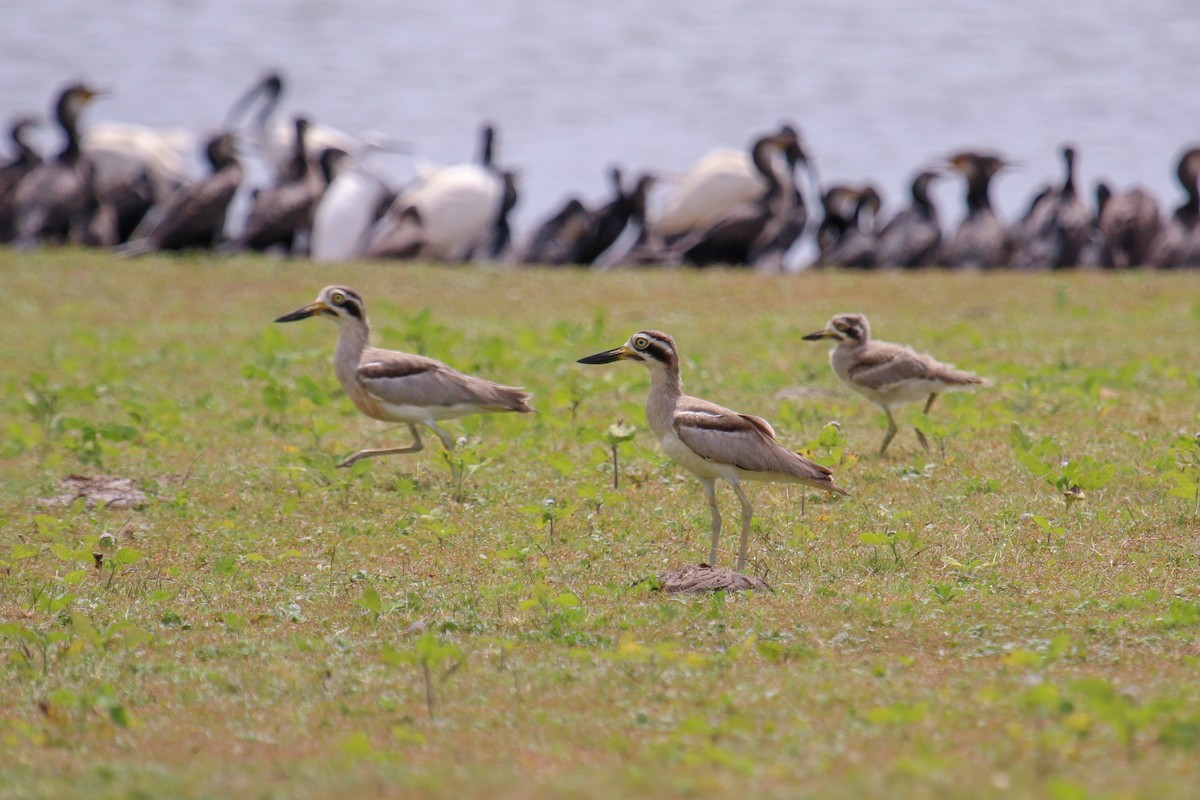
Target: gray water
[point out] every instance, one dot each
(879, 88)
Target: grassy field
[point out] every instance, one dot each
(268, 626)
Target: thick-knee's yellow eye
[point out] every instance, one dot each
(337, 298)
(641, 342)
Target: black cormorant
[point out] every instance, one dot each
(979, 241)
(1173, 245)
(194, 217)
(56, 201)
(1128, 223)
(578, 235)
(282, 215)
(1057, 228)
(911, 238)
(24, 161)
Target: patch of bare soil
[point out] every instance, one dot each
(114, 492)
(703, 578)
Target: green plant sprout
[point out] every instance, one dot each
(432, 657)
(618, 433)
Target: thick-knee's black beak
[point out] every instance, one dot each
(299, 313)
(304, 313)
(607, 357)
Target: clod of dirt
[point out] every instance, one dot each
(114, 492)
(703, 578)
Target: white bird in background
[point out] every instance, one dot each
(723, 178)
(121, 151)
(461, 209)
(136, 168)
(357, 195)
(458, 206)
(346, 210)
(274, 138)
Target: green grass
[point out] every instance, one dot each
(273, 627)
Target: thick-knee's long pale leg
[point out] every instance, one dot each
(447, 439)
(921, 436)
(386, 451)
(891, 431)
(710, 489)
(747, 513)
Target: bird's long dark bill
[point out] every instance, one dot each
(812, 337)
(302, 313)
(299, 313)
(607, 357)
